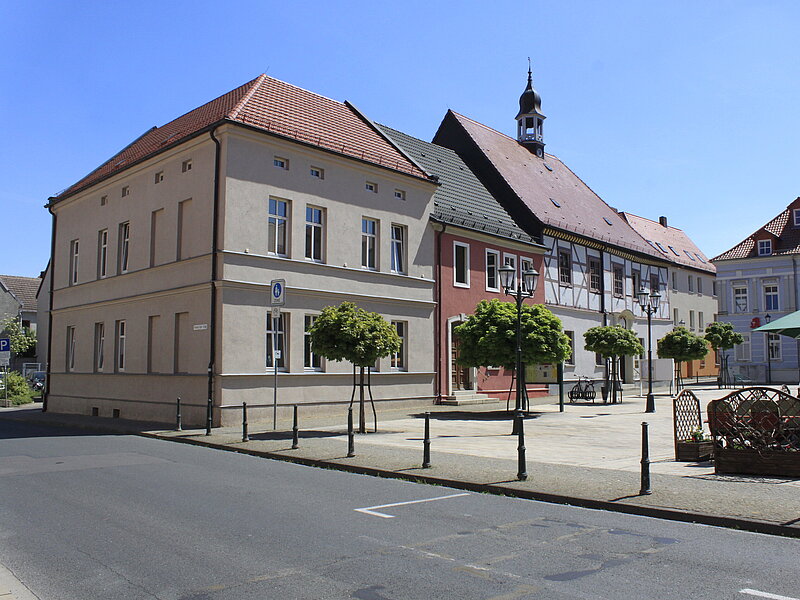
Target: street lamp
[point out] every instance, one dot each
(649, 304)
(768, 318)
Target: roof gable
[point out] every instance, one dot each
(781, 229)
(23, 288)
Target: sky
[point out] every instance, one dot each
(678, 108)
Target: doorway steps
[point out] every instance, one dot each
(464, 397)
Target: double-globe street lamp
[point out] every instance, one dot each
(649, 304)
(525, 287)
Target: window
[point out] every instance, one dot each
(675, 252)
(700, 321)
(675, 317)
(281, 163)
(674, 282)
(124, 243)
(699, 285)
(595, 275)
(278, 227)
(691, 320)
(73, 262)
(771, 296)
(492, 277)
(398, 249)
(399, 195)
(369, 243)
(399, 358)
(565, 267)
(571, 359)
(371, 187)
(691, 283)
(637, 360)
(317, 172)
(636, 282)
(126, 190)
(598, 359)
(102, 253)
(311, 361)
(714, 287)
(99, 346)
(186, 166)
(764, 247)
(103, 200)
(655, 283)
(796, 216)
(314, 233)
(740, 299)
(120, 350)
(70, 349)
(159, 177)
(275, 335)
(774, 346)
(619, 283)
(511, 261)
(687, 253)
(743, 349)
(460, 264)
(525, 264)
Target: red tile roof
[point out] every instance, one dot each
(552, 192)
(274, 106)
(23, 288)
(781, 229)
(673, 243)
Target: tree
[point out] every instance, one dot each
(721, 337)
(346, 332)
(20, 338)
(681, 345)
(612, 341)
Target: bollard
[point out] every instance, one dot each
(426, 443)
(245, 437)
(522, 474)
(208, 417)
(645, 462)
(351, 442)
(295, 437)
(178, 426)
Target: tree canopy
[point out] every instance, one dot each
(721, 336)
(611, 341)
(682, 345)
(489, 336)
(20, 338)
(346, 332)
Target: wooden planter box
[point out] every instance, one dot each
(694, 451)
(751, 462)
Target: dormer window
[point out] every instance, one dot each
(796, 217)
(764, 247)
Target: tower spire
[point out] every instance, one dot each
(530, 118)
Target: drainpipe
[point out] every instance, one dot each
(212, 351)
(46, 394)
(438, 315)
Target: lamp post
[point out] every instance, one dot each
(768, 318)
(649, 304)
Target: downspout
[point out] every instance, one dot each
(438, 321)
(46, 394)
(212, 351)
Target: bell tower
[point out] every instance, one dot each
(530, 118)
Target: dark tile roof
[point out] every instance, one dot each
(461, 199)
(673, 243)
(781, 229)
(552, 192)
(23, 288)
(271, 105)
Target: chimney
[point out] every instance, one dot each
(663, 221)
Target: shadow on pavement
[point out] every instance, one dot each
(467, 415)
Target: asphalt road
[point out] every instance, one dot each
(87, 516)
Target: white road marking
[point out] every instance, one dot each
(766, 595)
(369, 510)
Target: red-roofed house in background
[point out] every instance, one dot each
(18, 300)
(692, 286)
(758, 281)
(163, 256)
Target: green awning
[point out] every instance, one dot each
(788, 325)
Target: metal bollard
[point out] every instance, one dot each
(522, 474)
(245, 437)
(295, 437)
(208, 417)
(426, 443)
(178, 426)
(351, 442)
(645, 462)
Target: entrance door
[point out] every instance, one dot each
(461, 378)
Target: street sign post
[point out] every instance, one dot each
(277, 293)
(277, 298)
(5, 352)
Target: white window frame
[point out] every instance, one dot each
(699, 286)
(70, 363)
(690, 279)
(315, 233)
(565, 252)
(120, 350)
(399, 359)
(124, 246)
(675, 317)
(596, 289)
(674, 281)
(102, 254)
(700, 326)
(771, 296)
(309, 357)
(400, 195)
(691, 320)
(159, 177)
(456, 282)
(371, 186)
(276, 220)
(743, 350)
(490, 268)
(126, 191)
(317, 172)
(99, 346)
(764, 247)
(774, 347)
(737, 296)
(186, 165)
(74, 255)
(796, 215)
(280, 337)
(398, 248)
(571, 360)
(618, 269)
(280, 162)
(369, 243)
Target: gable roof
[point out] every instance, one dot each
(550, 191)
(23, 288)
(781, 227)
(461, 199)
(273, 106)
(672, 242)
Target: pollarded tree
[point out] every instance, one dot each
(612, 341)
(346, 332)
(722, 337)
(489, 337)
(681, 345)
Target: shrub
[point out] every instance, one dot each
(18, 390)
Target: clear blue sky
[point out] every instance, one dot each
(683, 109)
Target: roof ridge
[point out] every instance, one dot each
(494, 130)
(752, 236)
(627, 212)
(246, 97)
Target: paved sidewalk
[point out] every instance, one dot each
(589, 455)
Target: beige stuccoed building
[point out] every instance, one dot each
(163, 257)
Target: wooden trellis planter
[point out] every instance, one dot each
(686, 418)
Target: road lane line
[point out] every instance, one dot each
(766, 595)
(370, 510)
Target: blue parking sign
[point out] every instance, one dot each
(5, 345)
